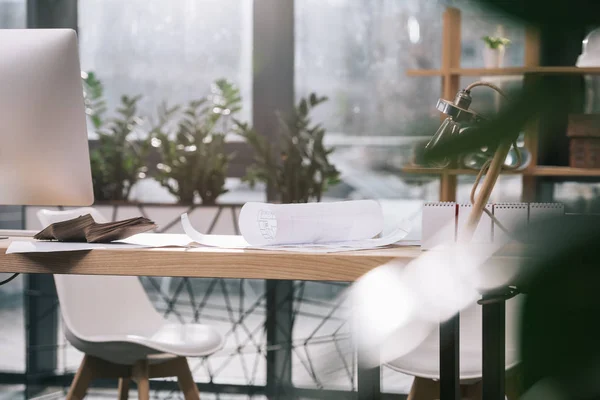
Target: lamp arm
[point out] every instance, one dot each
(491, 175)
(486, 189)
(488, 84)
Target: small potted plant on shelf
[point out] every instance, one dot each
(493, 54)
(118, 159)
(192, 150)
(299, 168)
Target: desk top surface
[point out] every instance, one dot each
(205, 262)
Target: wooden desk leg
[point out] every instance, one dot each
(449, 359)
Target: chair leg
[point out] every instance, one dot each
(142, 378)
(513, 385)
(473, 391)
(82, 379)
(124, 388)
(186, 380)
(424, 389)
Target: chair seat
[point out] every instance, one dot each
(424, 363)
(187, 340)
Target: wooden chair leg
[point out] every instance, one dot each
(124, 388)
(140, 374)
(186, 380)
(82, 379)
(424, 389)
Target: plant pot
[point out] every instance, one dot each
(493, 58)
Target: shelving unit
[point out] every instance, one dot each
(451, 72)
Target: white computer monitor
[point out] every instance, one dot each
(44, 156)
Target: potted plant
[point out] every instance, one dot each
(193, 158)
(493, 54)
(118, 159)
(299, 168)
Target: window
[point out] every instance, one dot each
(12, 14)
(166, 50)
(357, 52)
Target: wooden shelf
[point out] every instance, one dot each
(537, 171)
(443, 171)
(424, 72)
(506, 71)
(567, 171)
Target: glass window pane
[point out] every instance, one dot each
(12, 14)
(356, 52)
(166, 50)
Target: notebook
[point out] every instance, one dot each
(439, 224)
(513, 217)
(85, 229)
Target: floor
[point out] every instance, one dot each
(17, 393)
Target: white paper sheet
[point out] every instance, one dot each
(392, 238)
(239, 241)
(221, 241)
(158, 240)
(28, 246)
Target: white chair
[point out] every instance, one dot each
(423, 362)
(112, 321)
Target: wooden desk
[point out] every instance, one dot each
(205, 263)
(236, 264)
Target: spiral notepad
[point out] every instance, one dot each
(483, 232)
(445, 222)
(545, 210)
(512, 216)
(439, 224)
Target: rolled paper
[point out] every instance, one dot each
(264, 224)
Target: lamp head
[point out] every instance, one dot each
(459, 119)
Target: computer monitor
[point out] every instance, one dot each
(44, 156)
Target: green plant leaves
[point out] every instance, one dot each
(117, 161)
(192, 144)
(300, 171)
(495, 42)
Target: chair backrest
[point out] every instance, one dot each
(95, 306)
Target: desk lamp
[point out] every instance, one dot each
(459, 121)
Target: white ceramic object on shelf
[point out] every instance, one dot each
(493, 58)
(590, 57)
(590, 51)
